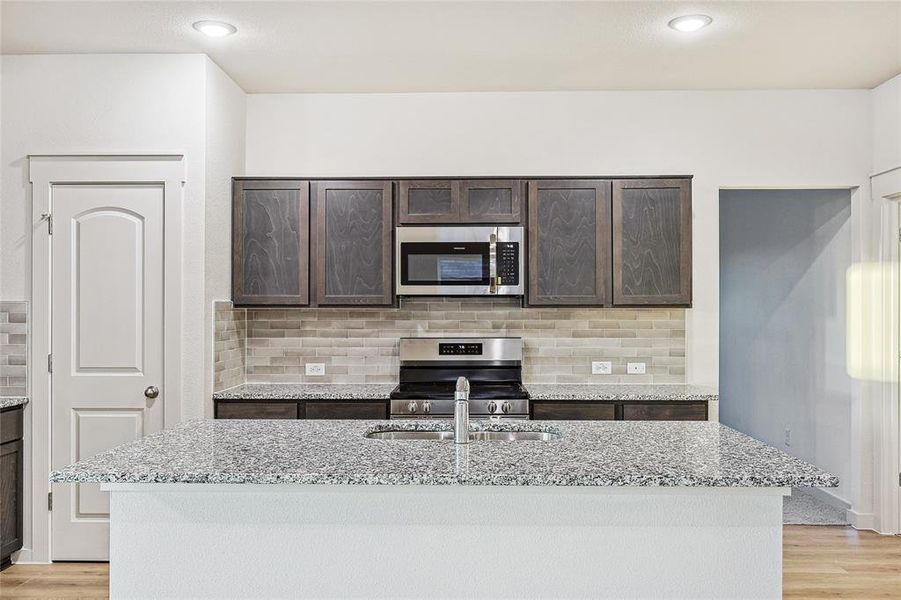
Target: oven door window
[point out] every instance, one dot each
(444, 263)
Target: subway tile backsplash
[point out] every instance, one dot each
(13, 348)
(229, 342)
(360, 345)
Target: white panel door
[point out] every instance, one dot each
(106, 340)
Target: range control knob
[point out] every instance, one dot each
(492, 407)
(426, 407)
(505, 407)
(411, 407)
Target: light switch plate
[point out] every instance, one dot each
(601, 367)
(314, 369)
(636, 368)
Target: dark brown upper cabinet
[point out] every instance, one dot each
(270, 242)
(464, 201)
(569, 242)
(491, 201)
(652, 242)
(352, 245)
(428, 201)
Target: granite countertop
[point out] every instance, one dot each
(622, 392)
(537, 391)
(11, 401)
(306, 391)
(589, 453)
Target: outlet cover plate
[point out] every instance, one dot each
(635, 368)
(315, 369)
(601, 367)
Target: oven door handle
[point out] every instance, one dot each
(492, 262)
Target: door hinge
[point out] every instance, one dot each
(49, 218)
(50, 363)
(49, 500)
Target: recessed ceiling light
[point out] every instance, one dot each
(215, 28)
(690, 23)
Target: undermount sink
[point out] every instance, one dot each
(475, 436)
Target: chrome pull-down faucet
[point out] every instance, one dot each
(461, 411)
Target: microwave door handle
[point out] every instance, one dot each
(492, 263)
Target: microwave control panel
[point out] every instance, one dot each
(508, 263)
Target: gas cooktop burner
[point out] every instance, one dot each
(429, 368)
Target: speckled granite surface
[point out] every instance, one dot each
(550, 391)
(306, 391)
(596, 453)
(623, 392)
(10, 401)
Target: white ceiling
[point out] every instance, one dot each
(374, 46)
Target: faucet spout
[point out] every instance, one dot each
(461, 411)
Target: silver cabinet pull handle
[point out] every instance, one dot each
(152, 391)
(492, 263)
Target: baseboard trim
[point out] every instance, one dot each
(862, 520)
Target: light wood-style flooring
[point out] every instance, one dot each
(818, 562)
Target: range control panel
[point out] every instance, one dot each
(469, 349)
(508, 263)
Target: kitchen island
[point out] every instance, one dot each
(314, 509)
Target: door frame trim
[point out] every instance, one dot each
(45, 171)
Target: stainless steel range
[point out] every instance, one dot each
(429, 368)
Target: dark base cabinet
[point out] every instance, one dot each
(303, 409)
(549, 410)
(11, 483)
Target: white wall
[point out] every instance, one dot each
(725, 139)
(225, 125)
(783, 259)
(130, 104)
(886, 125)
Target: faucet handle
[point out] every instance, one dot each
(462, 385)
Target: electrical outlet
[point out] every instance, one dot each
(788, 436)
(315, 369)
(635, 368)
(601, 367)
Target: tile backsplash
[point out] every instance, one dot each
(229, 342)
(13, 348)
(360, 345)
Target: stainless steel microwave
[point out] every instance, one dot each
(459, 261)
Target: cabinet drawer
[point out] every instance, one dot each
(11, 424)
(573, 411)
(256, 410)
(673, 411)
(349, 409)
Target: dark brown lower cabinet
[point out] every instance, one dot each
(573, 411)
(240, 409)
(671, 411)
(11, 483)
(618, 411)
(349, 409)
(307, 409)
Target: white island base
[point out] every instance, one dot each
(409, 541)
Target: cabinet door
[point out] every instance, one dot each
(349, 409)
(256, 410)
(652, 242)
(270, 242)
(671, 411)
(491, 201)
(353, 243)
(573, 411)
(428, 201)
(11, 498)
(569, 242)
